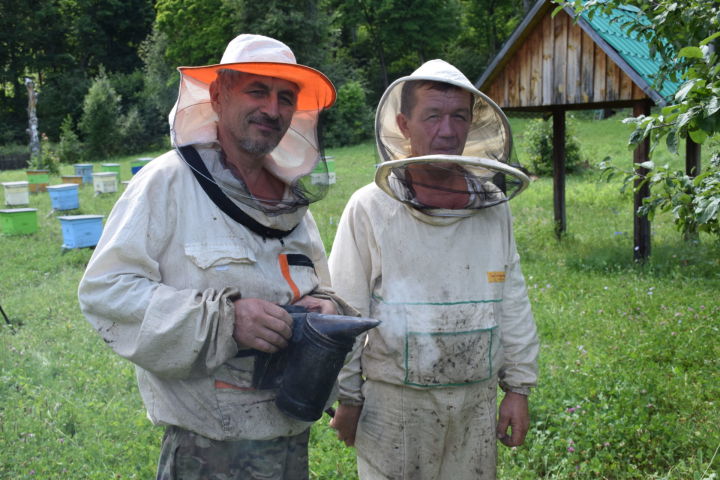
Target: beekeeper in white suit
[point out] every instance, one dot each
(201, 250)
(428, 249)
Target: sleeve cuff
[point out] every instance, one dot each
(519, 390)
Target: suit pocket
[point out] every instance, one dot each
(206, 255)
(440, 359)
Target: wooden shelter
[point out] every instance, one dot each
(557, 63)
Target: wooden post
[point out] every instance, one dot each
(641, 224)
(559, 171)
(692, 158)
(32, 118)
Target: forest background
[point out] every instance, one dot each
(632, 379)
(124, 54)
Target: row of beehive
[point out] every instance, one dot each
(78, 230)
(102, 181)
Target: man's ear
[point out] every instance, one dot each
(215, 96)
(402, 122)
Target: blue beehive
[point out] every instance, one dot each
(81, 230)
(85, 171)
(64, 196)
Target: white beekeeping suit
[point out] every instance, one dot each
(161, 283)
(447, 286)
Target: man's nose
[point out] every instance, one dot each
(445, 128)
(271, 106)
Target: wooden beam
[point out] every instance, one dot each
(524, 74)
(559, 171)
(587, 60)
(641, 224)
(535, 15)
(548, 49)
(692, 158)
(560, 28)
(573, 77)
(536, 67)
(600, 75)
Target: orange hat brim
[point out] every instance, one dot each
(316, 90)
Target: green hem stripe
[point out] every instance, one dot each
(464, 302)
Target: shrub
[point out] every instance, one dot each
(132, 132)
(693, 201)
(350, 121)
(539, 140)
(99, 121)
(69, 149)
(47, 159)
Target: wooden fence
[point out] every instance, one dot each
(14, 161)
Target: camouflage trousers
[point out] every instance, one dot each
(188, 456)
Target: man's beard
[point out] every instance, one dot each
(261, 146)
(258, 147)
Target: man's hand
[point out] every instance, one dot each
(261, 325)
(345, 422)
(514, 413)
(317, 305)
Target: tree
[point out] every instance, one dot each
(160, 84)
(100, 119)
(69, 149)
(301, 24)
(29, 32)
(486, 25)
(686, 38)
(350, 121)
(397, 36)
(105, 34)
(62, 44)
(197, 31)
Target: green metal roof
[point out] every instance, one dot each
(633, 50)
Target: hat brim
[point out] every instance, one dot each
(384, 169)
(316, 90)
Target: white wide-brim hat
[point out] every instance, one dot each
(484, 161)
(193, 120)
(266, 56)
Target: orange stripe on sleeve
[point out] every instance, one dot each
(224, 385)
(285, 269)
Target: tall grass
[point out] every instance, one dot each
(629, 360)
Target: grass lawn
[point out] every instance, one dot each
(629, 360)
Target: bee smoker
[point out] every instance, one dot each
(304, 373)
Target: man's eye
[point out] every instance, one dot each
(288, 100)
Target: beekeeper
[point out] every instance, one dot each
(428, 249)
(201, 249)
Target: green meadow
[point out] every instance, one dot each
(630, 358)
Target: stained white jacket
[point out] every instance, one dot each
(159, 286)
(450, 295)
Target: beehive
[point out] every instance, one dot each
(81, 231)
(18, 221)
(105, 182)
(111, 167)
(16, 193)
(38, 180)
(85, 170)
(64, 196)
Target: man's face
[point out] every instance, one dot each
(438, 123)
(255, 111)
